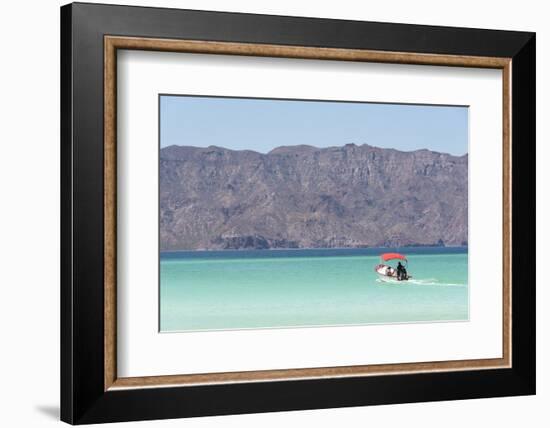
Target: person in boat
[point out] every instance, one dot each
(401, 272)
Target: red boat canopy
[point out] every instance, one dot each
(392, 256)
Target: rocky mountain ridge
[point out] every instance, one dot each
(306, 197)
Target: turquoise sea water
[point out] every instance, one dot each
(217, 290)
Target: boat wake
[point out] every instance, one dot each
(427, 281)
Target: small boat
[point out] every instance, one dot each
(387, 272)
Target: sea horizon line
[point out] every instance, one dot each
(205, 250)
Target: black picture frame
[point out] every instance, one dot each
(83, 398)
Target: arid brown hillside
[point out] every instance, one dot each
(306, 197)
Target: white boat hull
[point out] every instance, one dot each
(386, 278)
(387, 274)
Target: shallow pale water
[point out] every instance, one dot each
(217, 290)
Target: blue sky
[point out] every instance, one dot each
(263, 124)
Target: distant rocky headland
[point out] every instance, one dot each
(306, 197)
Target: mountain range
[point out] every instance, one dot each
(306, 197)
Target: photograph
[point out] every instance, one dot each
(268, 210)
(292, 213)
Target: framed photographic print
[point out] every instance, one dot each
(265, 213)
